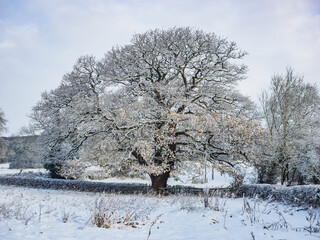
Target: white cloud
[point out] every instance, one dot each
(40, 40)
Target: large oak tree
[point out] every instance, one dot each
(157, 104)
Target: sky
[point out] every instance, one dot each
(40, 40)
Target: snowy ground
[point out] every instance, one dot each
(65, 215)
(219, 181)
(4, 170)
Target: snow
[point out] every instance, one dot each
(4, 170)
(65, 215)
(184, 180)
(219, 180)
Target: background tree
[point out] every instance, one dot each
(3, 122)
(23, 152)
(164, 100)
(291, 112)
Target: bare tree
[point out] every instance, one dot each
(291, 113)
(3, 122)
(162, 102)
(23, 152)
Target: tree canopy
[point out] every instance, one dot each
(163, 101)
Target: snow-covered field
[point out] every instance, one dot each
(64, 215)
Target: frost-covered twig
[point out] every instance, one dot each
(153, 223)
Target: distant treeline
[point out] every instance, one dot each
(21, 151)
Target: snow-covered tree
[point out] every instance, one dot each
(62, 111)
(23, 152)
(155, 105)
(291, 112)
(3, 122)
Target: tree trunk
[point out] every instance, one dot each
(284, 173)
(212, 173)
(283, 178)
(159, 182)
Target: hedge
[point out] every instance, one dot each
(88, 186)
(297, 195)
